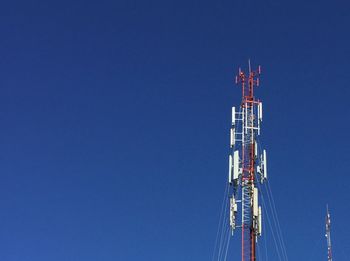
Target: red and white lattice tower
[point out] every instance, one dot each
(328, 235)
(247, 164)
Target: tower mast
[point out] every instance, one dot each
(328, 235)
(247, 165)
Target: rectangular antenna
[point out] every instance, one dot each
(265, 165)
(259, 222)
(232, 137)
(260, 111)
(255, 203)
(230, 169)
(233, 116)
(246, 118)
(235, 165)
(255, 149)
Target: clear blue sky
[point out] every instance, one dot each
(115, 121)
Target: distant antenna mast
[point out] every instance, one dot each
(328, 235)
(247, 165)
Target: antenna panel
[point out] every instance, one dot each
(233, 204)
(255, 203)
(233, 116)
(230, 169)
(233, 211)
(265, 165)
(232, 137)
(256, 149)
(259, 222)
(232, 219)
(246, 118)
(260, 111)
(235, 165)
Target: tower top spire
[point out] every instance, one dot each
(248, 81)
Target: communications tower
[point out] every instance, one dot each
(247, 164)
(328, 235)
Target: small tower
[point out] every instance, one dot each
(328, 235)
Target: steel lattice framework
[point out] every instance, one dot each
(247, 165)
